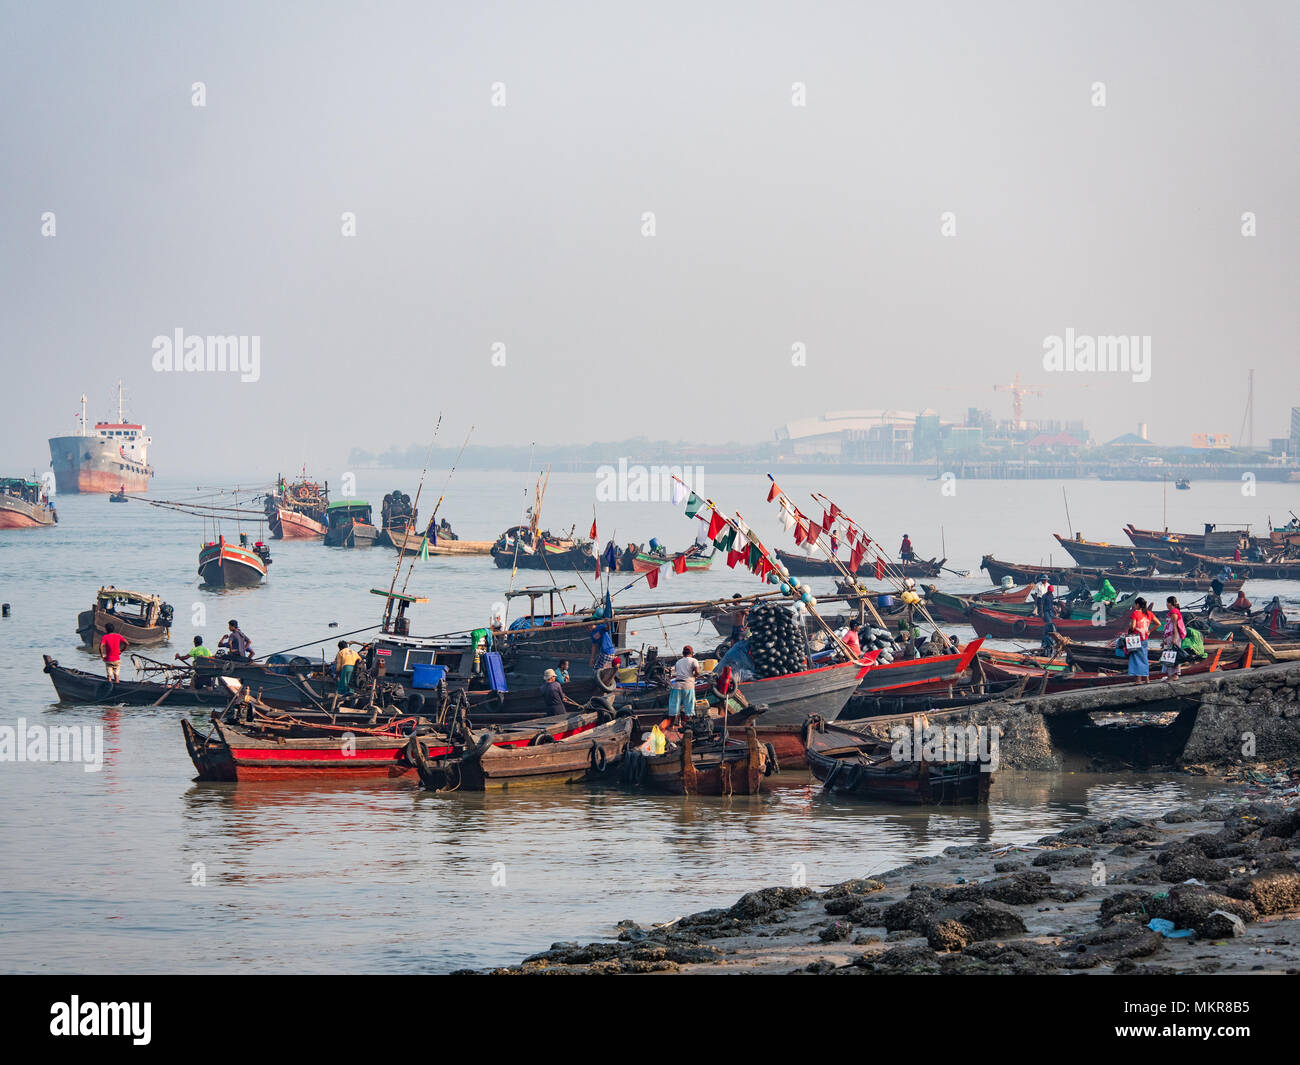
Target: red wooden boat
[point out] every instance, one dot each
(691, 766)
(934, 673)
(223, 564)
(1001, 625)
(234, 751)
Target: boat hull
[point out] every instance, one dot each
(289, 524)
(20, 514)
(91, 626)
(224, 565)
(87, 464)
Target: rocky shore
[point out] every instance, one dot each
(1080, 901)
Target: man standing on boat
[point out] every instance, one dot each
(906, 553)
(554, 701)
(602, 647)
(681, 687)
(110, 650)
(237, 645)
(851, 641)
(345, 664)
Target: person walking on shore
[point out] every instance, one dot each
(1175, 632)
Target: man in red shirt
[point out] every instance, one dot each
(851, 640)
(110, 650)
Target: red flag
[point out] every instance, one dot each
(855, 558)
(773, 492)
(679, 564)
(827, 518)
(852, 535)
(814, 531)
(597, 567)
(764, 568)
(835, 511)
(880, 569)
(716, 524)
(652, 578)
(800, 533)
(593, 528)
(735, 556)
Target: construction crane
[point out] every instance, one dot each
(1018, 393)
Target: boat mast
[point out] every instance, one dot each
(83, 415)
(120, 419)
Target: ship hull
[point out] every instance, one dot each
(287, 524)
(86, 464)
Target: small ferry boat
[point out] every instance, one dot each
(350, 524)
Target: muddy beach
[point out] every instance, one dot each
(1213, 888)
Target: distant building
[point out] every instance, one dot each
(857, 436)
(1295, 432)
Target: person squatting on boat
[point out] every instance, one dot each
(235, 642)
(197, 651)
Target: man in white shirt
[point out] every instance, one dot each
(681, 686)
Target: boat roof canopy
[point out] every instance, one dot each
(340, 504)
(535, 591)
(124, 595)
(400, 596)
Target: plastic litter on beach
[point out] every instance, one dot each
(1168, 930)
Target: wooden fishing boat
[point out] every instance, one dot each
(226, 565)
(1278, 570)
(414, 546)
(691, 766)
(852, 763)
(931, 673)
(287, 523)
(791, 698)
(1001, 625)
(1076, 679)
(1182, 484)
(590, 754)
(1102, 555)
(233, 751)
(956, 609)
(1211, 541)
(297, 511)
(1231, 622)
(143, 619)
(801, 565)
(350, 524)
(516, 548)
(119, 497)
(1090, 578)
(78, 686)
(24, 504)
(1101, 658)
(1287, 536)
(645, 561)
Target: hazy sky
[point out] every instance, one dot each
(522, 224)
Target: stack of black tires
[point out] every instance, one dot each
(777, 644)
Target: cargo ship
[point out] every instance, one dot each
(113, 456)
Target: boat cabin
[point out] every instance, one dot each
(136, 608)
(345, 510)
(21, 487)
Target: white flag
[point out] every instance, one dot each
(679, 493)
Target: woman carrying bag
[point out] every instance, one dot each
(1175, 633)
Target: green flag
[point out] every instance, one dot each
(693, 505)
(725, 539)
(424, 548)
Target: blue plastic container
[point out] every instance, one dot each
(427, 676)
(884, 601)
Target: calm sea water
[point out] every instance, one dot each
(101, 871)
